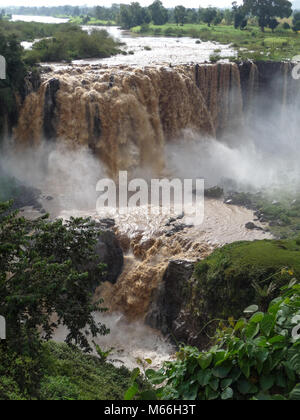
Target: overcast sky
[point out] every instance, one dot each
(167, 3)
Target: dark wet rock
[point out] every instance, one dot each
(49, 124)
(239, 199)
(109, 252)
(177, 228)
(214, 192)
(174, 219)
(21, 194)
(168, 299)
(252, 226)
(106, 224)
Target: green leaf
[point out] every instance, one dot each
(131, 392)
(205, 360)
(277, 339)
(295, 394)
(240, 324)
(226, 383)
(251, 309)
(191, 393)
(227, 394)
(252, 330)
(267, 382)
(257, 318)
(221, 371)
(203, 377)
(156, 378)
(244, 386)
(267, 324)
(211, 394)
(214, 383)
(134, 375)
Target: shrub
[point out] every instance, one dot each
(255, 358)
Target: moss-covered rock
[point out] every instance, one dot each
(223, 285)
(241, 274)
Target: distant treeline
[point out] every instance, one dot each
(133, 14)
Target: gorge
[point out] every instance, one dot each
(224, 122)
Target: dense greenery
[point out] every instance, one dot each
(266, 11)
(59, 42)
(71, 42)
(239, 274)
(256, 357)
(15, 73)
(29, 31)
(46, 268)
(65, 374)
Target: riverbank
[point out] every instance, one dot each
(250, 43)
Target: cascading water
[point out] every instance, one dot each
(98, 120)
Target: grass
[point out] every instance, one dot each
(250, 43)
(282, 213)
(92, 22)
(64, 373)
(75, 376)
(224, 281)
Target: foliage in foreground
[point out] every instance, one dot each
(66, 374)
(253, 359)
(46, 268)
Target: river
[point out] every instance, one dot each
(144, 51)
(222, 223)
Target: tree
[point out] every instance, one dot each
(228, 17)
(158, 13)
(192, 16)
(219, 17)
(133, 15)
(273, 23)
(240, 16)
(180, 15)
(11, 49)
(296, 22)
(209, 15)
(268, 10)
(47, 268)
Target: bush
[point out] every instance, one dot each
(255, 358)
(73, 43)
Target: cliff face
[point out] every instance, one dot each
(126, 115)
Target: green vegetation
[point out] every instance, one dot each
(65, 374)
(59, 42)
(29, 31)
(45, 268)
(15, 73)
(250, 43)
(70, 42)
(91, 21)
(282, 214)
(239, 274)
(254, 358)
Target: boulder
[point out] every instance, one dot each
(110, 253)
(168, 299)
